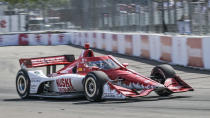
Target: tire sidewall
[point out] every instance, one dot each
(166, 71)
(159, 71)
(23, 73)
(99, 87)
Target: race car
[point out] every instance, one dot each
(95, 77)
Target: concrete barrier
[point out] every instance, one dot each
(181, 50)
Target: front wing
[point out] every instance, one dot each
(111, 91)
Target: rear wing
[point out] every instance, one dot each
(46, 61)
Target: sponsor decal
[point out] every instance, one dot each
(103, 40)
(49, 39)
(94, 40)
(145, 46)
(33, 87)
(128, 44)
(114, 43)
(111, 93)
(195, 52)
(23, 39)
(79, 69)
(33, 80)
(37, 72)
(61, 38)
(38, 38)
(3, 23)
(48, 60)
(34, 84)
(166, 48)
(64, 85)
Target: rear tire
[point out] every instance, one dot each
(160, 74)
(23, 84)
(93, 85)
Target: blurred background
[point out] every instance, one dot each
(150, 16)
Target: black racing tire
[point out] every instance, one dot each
(93, 85)
(160, 74)
(23, 84)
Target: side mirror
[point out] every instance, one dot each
(125, 64)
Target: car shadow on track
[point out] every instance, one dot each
(82, 100)
(149, 62)
(132, 100)
(45, 99)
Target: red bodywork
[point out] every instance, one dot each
(123, 80)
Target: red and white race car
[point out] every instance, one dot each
(96, 78)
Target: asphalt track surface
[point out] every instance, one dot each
(194, 104)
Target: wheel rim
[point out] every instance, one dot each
(90, 86)
(21, 84)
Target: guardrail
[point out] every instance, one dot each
(181, 50)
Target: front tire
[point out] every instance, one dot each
(160, 73)
(23, 84)
(93, 85)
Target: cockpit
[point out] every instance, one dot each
(105, 64)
